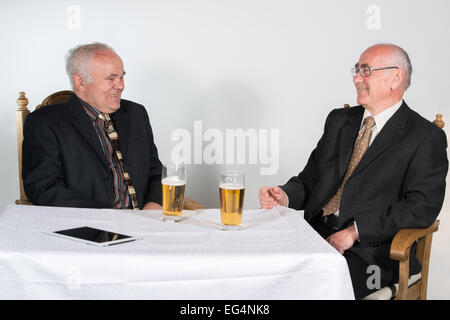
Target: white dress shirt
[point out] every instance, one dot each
(380, 119)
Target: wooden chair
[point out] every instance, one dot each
(414, 287)
(55, 98)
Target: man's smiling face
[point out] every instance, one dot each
(105, 90)
(374, 90)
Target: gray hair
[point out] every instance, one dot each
(78, 59)
(404, 63)
(401, 59)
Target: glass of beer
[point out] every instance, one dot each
(173, 182)
(231, 191)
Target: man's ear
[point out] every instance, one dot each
(398, 79)
(78, 83)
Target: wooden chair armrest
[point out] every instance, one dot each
(24, 202)
(404, 239)
(191, 204)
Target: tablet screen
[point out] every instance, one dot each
(92, 234)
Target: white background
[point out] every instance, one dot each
(231, 64)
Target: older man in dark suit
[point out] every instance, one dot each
(379, 167)
(96, 150)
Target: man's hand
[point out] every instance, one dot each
(152, 206)
(343, 240)
(270, 197)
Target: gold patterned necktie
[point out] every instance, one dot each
(114, 137)
(361, 145)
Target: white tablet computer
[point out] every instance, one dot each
(93, 236)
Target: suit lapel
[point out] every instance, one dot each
(122, 126)
(391, 132)
(348, 135)
(84, 125)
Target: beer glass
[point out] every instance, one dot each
(231, 191)
(173, 182)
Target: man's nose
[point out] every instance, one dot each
(119, 84)
(357, 78)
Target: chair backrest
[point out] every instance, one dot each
(56, 98)
(21, 114)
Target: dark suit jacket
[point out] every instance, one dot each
(399, 182)
(64, 164)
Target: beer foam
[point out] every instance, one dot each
(231, 186)
(173, 181)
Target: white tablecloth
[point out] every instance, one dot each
(276, 255)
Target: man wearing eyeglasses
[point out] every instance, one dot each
(379, 167)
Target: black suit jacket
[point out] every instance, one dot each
(63, 163)
(399, 182)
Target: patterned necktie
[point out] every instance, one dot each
(114, 137)
(361, 145)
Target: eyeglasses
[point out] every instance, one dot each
(365, 71)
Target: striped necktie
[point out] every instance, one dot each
(361, 145)
(114, 137)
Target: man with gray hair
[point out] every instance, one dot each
(97, 149)
(378, 168)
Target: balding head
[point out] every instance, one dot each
(384, 73)
(397, 57)
(79, 58)
(96, 73)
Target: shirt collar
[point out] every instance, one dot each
(91, 111)
(382, 117)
